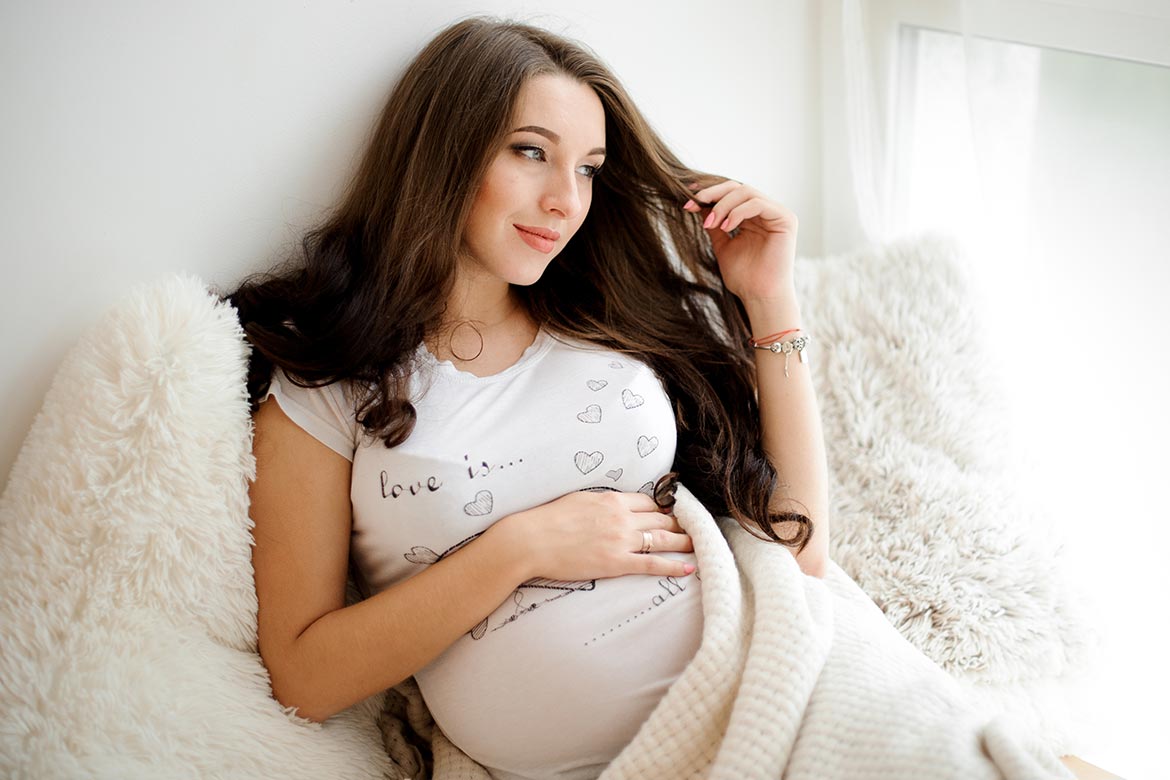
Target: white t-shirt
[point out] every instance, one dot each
(559, 678)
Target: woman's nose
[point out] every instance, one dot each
(563, 195)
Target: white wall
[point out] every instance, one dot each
(142, 138)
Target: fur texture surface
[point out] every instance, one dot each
(127, 604)
(931, 514)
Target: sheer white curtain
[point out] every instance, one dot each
(1038, 133)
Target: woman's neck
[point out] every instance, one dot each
(477, 296)
(482, 321)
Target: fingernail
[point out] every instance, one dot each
(688, 567)
(726, 222)
(710, 220)
(690, 204)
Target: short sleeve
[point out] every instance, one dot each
(325, 413)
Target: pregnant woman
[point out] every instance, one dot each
(475, 391)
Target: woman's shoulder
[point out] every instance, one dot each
(342, 391)
(614, 356)
(328, 412)
(569, 342)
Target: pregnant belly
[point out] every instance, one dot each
(562, 675)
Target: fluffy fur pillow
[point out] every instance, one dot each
(128, 610)
(928, 514)
(128, 607)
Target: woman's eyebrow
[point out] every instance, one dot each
(550, 135)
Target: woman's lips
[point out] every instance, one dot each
(541, 239)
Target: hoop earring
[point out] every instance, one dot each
(451, 346)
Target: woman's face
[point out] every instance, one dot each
(540, 180)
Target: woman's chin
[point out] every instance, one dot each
(527, 277)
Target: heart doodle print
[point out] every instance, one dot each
(592, 414)
(482, 505)
(587, 461)
(631, 400)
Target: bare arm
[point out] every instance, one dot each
(323, 657)
(355, 652)
(793, 435)
(757, 267)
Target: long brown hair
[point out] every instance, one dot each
(639, 277)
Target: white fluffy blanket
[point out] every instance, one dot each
(128, 612)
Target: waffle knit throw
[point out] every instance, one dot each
(796, 677)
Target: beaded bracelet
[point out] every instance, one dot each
(774, 336)
(787, 347)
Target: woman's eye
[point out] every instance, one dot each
(523, 149)
(538, 153)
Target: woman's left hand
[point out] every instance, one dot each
(758, 262)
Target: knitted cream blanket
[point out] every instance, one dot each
(796, 677)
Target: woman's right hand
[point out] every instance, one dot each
(592, 535)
